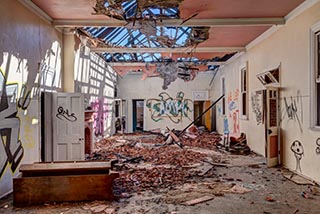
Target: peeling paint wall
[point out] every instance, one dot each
(290, 47)
(166, 108)
(97, 81)
(26, 42)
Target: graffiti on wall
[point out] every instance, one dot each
(225, 125)
(63, 114)
(100, 116)
(11, 150)
(257, 106)
(318, 146)
(166, 106)
(298, 151)
(233, 117)
(293, 110)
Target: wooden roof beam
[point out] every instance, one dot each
(176, 22)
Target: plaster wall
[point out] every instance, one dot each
(97, 81)
(132, 87)
(30, 56)
(289, 48)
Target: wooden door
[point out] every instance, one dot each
(68, 126)
(272, 127)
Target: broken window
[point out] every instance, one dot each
(270, 77)
(243, 91)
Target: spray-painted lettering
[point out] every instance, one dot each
(169, 107)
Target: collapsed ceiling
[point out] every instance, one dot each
(138, 9)
(142, 31)
(132, 33)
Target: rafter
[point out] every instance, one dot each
(137, 64)
(168, 50)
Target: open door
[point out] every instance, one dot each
(68, 126)
(137, 115)
(207, 116)
(272, 127)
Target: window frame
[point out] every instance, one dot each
(244, 90)
(314, 77)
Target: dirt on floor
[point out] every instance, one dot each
(201, 177)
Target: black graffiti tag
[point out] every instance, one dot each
(318, 146)
(294, 109)
(297, 149)
(11, 150)
(64, 114)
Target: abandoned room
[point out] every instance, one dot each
(149, 107)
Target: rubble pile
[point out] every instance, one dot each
(206, 141)
(151, 179)
(146, 161)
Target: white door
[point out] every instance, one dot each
(68, 126)
(272, 128)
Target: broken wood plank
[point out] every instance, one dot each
(198, 200)
(39, 190)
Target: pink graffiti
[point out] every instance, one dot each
(100, 115)
(235, 117)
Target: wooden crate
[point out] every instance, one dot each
(59, 182)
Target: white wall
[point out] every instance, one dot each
(290, 47)
(132, 87)
(97, 81)
(25, 42)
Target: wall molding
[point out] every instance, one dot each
(300, 9)
(293, 14)
(36, 10)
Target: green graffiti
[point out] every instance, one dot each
(166, 106)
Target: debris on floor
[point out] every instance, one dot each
(297, 179)
(147, 162)
(156, 177)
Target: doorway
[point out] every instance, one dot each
(137, 115)
(272, 127)
(199, 107)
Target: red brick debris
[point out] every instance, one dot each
(145, 162)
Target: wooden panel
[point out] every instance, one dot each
(66, 168)
(38, 190)
(273, 146)
(207, 115)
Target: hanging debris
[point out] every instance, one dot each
(132, 10)
(170, 71)
(198, 35)
(113, 10)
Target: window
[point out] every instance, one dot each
(244, 91)
(223, 91)
(315, 77)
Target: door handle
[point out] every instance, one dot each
(269, 131)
